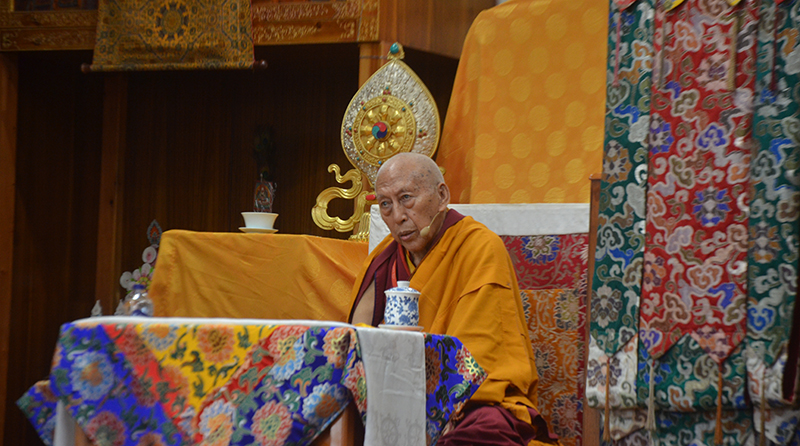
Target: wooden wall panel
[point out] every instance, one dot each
(55, 214)
(437, 27)
(111, 198)
(438, 73)
(189, 161)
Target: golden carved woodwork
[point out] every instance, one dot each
(438, 27)
(46, 30)
(47, 39)
(360, 217)
(273, 24)
(339, 21)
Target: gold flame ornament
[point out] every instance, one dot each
(392, 112)
(360, 218)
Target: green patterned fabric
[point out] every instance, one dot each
(773, 230)
(173, 34)
(758, 374)
(620, 240)
(693, 429)
(686, 379)
(773, 252)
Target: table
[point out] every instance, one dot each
(237, 275)
(133, 381)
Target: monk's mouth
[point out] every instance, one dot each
(405, 235)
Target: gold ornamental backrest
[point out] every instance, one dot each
(393, 112)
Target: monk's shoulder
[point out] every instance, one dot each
(477, 241)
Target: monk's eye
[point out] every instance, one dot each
(385, 204)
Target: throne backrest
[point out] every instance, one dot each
(549, 247)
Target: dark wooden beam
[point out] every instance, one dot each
(8, 166)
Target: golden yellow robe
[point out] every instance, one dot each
(469, 290)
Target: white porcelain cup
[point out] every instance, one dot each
(402, 306)
(259, 220)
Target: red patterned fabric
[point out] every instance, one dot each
(551, 270)
(549, 261)
(695, 259)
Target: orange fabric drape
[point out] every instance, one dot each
(262, 276)
(525, 120)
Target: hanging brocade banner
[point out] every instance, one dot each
(173, 34)
(616, 285)
(695, 258)
(773, 255)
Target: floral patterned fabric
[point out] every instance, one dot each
(616, 286)
(452, 375)
(551, 271)
(689, 429)
(549, 261)
(620, 240)
(773, 254)
(698, 175)
(722, 235)
(39, 405)
(217, 384)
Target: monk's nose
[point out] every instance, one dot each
(399, 215)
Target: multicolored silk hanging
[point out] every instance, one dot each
(612, 367)
(696, 234)
(773, 254)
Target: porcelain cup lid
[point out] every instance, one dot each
(402, 287)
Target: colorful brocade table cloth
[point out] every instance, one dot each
(129, 381)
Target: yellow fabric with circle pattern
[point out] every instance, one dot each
(525, 121)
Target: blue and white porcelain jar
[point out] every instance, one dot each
(402, 305)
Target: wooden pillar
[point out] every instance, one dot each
(112, 176)
(372, 55)
(8, 166)
(591, 417)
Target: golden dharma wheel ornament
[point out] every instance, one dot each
(385, 127)
(392, 112)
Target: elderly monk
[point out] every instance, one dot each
(469, 291)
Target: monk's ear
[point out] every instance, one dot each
(444, 195)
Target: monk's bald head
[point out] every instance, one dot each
(419, 168)
(411, 194)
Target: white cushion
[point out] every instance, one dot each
(509, 219)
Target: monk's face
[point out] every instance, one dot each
(409, 199)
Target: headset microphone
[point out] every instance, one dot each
(427, 229)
